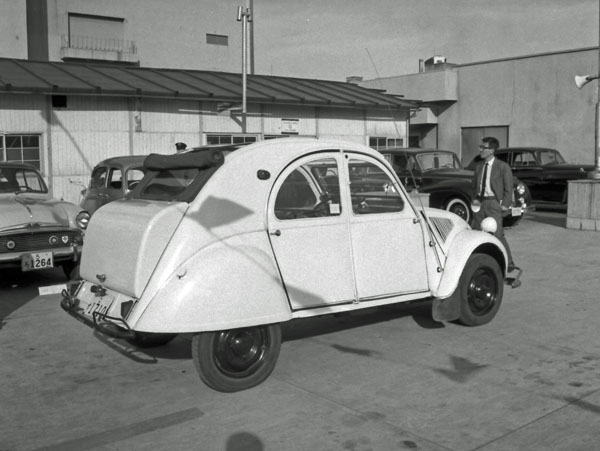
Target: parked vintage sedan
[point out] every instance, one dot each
(440, 174)
(36, 231)
(543, 170)
(112, 179)
(228, 247)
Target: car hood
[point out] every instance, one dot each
(20, 210)
(125, 240)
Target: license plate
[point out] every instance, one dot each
(37, 260)
(98, 305)
(516, 211)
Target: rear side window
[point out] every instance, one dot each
(311, 191)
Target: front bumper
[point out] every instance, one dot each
(98, 308)
(60, 255)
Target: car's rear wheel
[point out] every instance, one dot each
(150, 340)
(237, 359)
(481, 288)
(459, 207)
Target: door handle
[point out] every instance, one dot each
(276, 233)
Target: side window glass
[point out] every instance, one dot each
(312, 190)
(99, 178)
(371, 189)
(134, 175)
(115, 180)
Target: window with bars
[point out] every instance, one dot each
(383, 142)
(230, 139)
(22, 148)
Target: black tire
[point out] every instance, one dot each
(459, 207)
(150, 340)
(237, 359)
(481, 288)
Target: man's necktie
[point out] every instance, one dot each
(483, 179)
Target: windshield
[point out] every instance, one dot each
(549, 156)
(438, 160)
(21, 180)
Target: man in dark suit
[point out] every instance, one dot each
(492, 186)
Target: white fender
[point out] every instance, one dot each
(230, 284)
(462, 247)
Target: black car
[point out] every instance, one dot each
(440, 174)
(543, 170)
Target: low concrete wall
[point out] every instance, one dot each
(583, 211)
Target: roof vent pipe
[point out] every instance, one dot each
(421, 66)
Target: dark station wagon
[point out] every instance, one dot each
(440, 174)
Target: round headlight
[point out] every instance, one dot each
(521, 188)
(82, 219)
(10, 244)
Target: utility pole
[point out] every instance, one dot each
(244, 15)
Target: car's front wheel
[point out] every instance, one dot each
(237, 359)
(459, 207)
(481, 288)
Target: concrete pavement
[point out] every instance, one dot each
(381, 379)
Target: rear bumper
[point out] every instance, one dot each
(100, 321)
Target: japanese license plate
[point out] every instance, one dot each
(37, 260)
(516, 211)
(98, 305)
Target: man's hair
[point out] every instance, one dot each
(493, 142)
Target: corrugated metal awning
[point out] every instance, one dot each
(57, 78)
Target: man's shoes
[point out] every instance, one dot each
(511, 267)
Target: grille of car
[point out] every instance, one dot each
(443, 226)
(38, 240)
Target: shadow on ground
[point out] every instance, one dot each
(18, 288)
(548, 216)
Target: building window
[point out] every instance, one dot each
(91, 32)
(23, 148)
(230, 139)
(382, 142)
(217, 39)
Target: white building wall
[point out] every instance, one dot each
(167, 34)
(13, 29)
(92, 128)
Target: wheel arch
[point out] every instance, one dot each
(228, 285)
(464, 245)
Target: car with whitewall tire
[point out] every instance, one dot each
(440, 174)
(228, 245)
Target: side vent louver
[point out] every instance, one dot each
(443, 226)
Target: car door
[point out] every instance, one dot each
(387, 240)
(308, 229)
